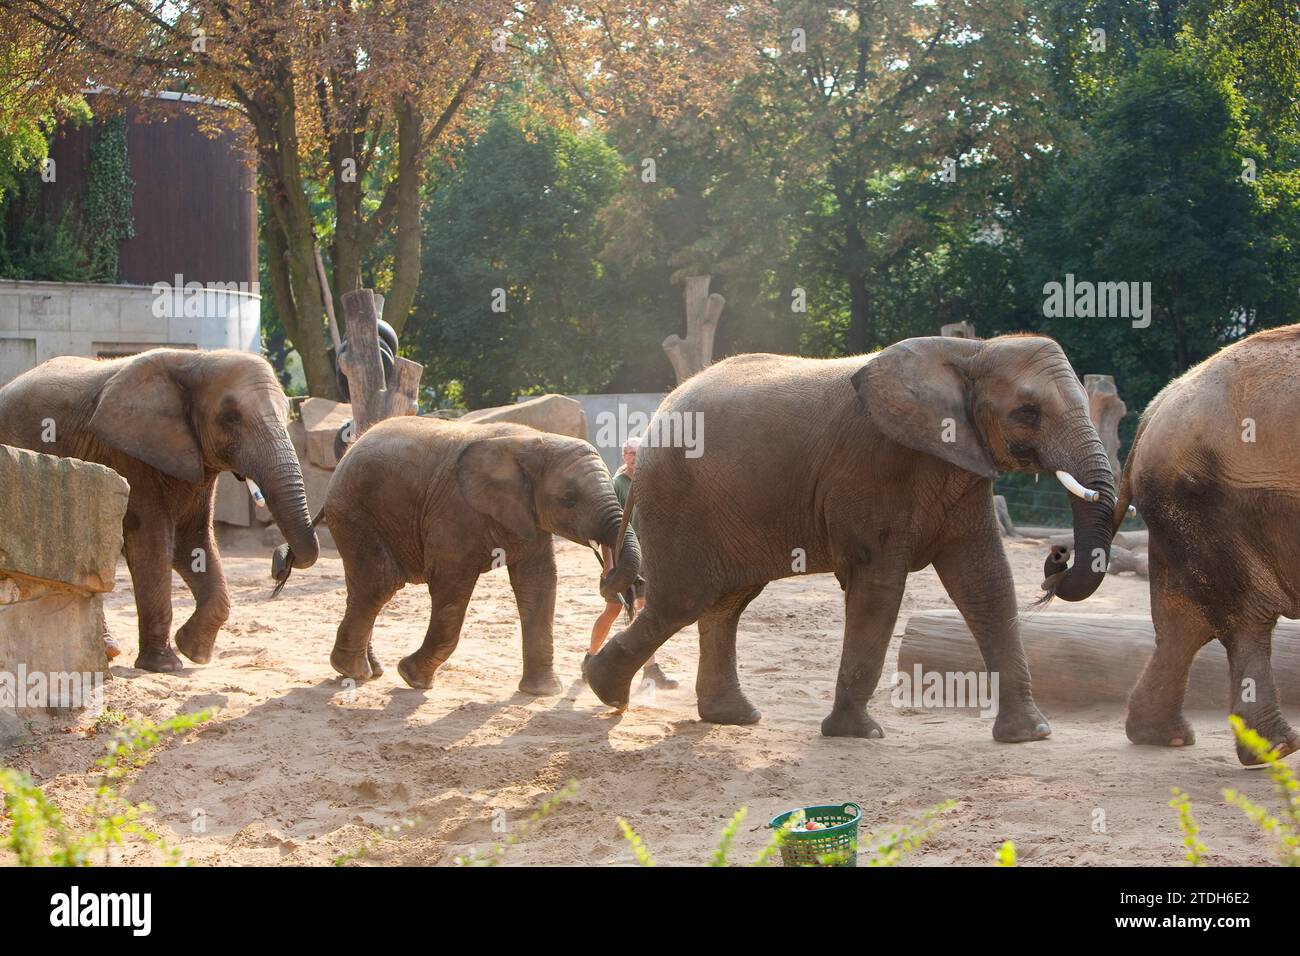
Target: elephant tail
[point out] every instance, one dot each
(282, 557)
(1124, 493)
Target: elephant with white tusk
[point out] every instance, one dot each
(869, 467)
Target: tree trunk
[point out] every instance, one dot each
(406, 255)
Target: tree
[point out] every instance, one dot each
(513, 297)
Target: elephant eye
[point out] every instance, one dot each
(1026, 415)
(228, 418)
(570, 500)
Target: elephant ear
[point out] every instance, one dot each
(918, 393)
(496, 484)
(143, 412)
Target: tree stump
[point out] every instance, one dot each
(695, 352)
(1106, 410)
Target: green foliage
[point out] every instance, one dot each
(390, 832)
(634, 842)
(109, 190)
(78, 242)
(38, 834)
(1006, 854)
(1285, 827)
(519, 213)
(1187, 824)
(496, 853)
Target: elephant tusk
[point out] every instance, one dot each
(256, 492)
(1132, 510)
(594, 545)
(1073, 487)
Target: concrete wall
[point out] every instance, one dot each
(612, 419)
(40, 320)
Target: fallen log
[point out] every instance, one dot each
(1084, 659)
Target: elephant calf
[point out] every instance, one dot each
(418, 500)
(169, 421)
(1213, 472)
(870, 467)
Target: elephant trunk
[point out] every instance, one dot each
(275, 468)
(1085, 470)
(628, 564)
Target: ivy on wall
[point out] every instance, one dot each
(78, 243)
(109, 192)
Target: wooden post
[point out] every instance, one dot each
(693, 353)
(1106, 410)
(362, 364)
(959, 330)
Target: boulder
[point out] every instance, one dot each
(62, 519)
(321, 420)
(547, 413)
(59, 545)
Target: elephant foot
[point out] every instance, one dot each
(351, 664)
(194, 644)
(1021, 724)
(608, 676)
(654, 673)
(376, 668)
(851, 722)
(1175, 732)
(541, 684)
(159, 660)
(732, 707)
(406, 668)
(1279, 734)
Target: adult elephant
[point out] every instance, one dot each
(418, 500)
(1213, 471)
(870, 467)
(169, 421)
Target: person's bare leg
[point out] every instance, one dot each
(600, 630)
(652, 671)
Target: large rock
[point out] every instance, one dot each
(233, 503)
(321, 421)
(59, 543)
(547, 413)
(62, 519)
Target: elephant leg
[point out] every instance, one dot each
(533, 581)
(1254, 692)
(450, 595)
(149, 543)
(872, 595)
(372, 580)
(609, 674)
(717, 684)
(1155, 705)
(198, 562)
(974, 571)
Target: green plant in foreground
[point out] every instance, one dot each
(494, 854)
(896, 844)
(1285, 828)
(38, 835)
(1006, 854)
(1187, 824)
(374, 839)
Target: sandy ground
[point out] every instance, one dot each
(297, 769)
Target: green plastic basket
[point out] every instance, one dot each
(808, 847)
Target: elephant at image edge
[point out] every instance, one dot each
(418, 500)
(869, 467)
(169, 421)
(1213, 470)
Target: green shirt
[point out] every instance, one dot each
(623, 485)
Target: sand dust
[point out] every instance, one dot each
(297, 770)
